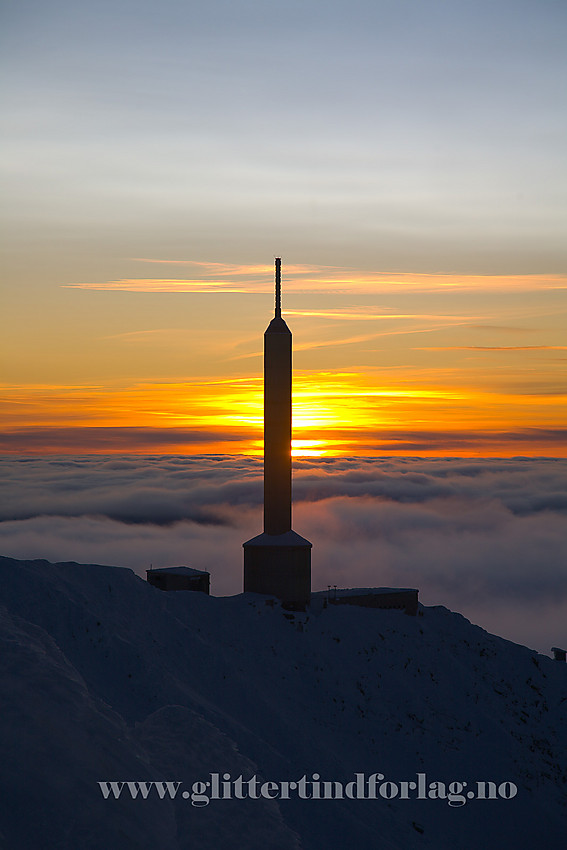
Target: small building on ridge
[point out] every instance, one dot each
(179, 578)
(376, 597)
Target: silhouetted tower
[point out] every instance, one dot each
(278, 562)
(277, 420)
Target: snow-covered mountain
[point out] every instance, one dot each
(107, 679)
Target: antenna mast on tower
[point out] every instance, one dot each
(278, 288)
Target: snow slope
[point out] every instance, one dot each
(105, 678)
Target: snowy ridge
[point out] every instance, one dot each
(105, 678)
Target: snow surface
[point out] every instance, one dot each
(105, 678)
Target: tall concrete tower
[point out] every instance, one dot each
(278, 562)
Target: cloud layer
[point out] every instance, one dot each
(485, 537)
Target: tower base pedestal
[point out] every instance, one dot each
(279, 565)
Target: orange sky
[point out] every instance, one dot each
(411, 364)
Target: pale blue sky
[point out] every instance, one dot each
(409, 135)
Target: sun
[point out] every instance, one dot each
(308, 448)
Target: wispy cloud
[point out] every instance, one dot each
(503, 328)
(308, 346)
(442, 441)
(493, 348)
(97, 439)
(337, 341)
(369, 314)
(236, 269)
(163, 285)
(254, 278)
(149, 334)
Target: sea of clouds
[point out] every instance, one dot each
(487, 538)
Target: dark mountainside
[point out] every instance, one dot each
(107, 679)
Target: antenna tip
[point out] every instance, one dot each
(278, 310)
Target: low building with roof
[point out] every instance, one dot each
(403, 598)
(179, 578)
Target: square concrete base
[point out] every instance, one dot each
(279, 565)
